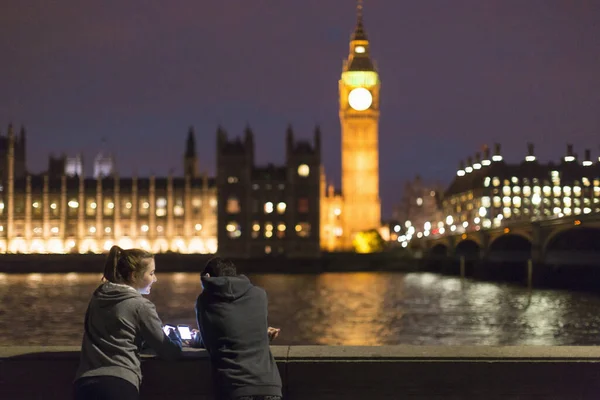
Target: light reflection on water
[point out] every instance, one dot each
(334, 309)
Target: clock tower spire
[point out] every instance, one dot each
(359, 119)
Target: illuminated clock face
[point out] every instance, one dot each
(360, 99)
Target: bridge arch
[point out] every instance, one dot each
(577, 238)
(468, 248)
(509, 248)
(511, 242)
(440, 249)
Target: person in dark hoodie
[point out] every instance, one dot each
(232, 319)
(118, 320)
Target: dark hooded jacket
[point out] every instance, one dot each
(117, 321)
(232, 317)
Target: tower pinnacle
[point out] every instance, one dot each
(359, 32)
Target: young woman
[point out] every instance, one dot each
(117, 321)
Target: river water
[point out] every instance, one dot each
(327, 309)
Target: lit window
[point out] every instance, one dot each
(547, 191)
(359, 49)
(516, 201)
(91, 207)
(107, 229)
(108, 207)
(178, 209)
(212, 202)
(486, 182)
(303, 229)
(419, 201)
(337, 212)
(54, 229)
(526, 191)
(92, 229)
(256, 227)
(497, 202)
(233, 230)
(268, 207)
(514, 180)
(198, 227)
(281, 207)
(556, 191)
(128, 205)
(303, 170)
(232, 206)
(556, 210)
(73, 204)
(496, 181)
(281, 227)
(506, 190)
(267, 249)
(145, 228)
(53, 206)
(232, 179)
(159, 229)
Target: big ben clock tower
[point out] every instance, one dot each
(359, 119)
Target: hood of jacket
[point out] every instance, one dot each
(226, 287)
(110, 293)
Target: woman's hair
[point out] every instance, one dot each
(123, 266)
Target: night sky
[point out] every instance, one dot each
(455, 75)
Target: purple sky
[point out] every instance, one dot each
(455, 75)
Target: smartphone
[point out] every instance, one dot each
(184, 332)
(167, 328)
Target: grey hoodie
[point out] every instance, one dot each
(118, 319)
(232, 316)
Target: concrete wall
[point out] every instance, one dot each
(330, 372)
(174, 262)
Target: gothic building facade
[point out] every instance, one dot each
(57, 212)
(248, 210)
(271, 209)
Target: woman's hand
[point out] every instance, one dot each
(273, 332)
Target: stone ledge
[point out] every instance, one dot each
(335, 372)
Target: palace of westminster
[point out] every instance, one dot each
(246, 210)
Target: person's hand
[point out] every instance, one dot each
(273, 332)
(174, 335)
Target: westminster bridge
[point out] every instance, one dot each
(566, 247)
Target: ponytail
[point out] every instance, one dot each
(110, 266)
(122, 266)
